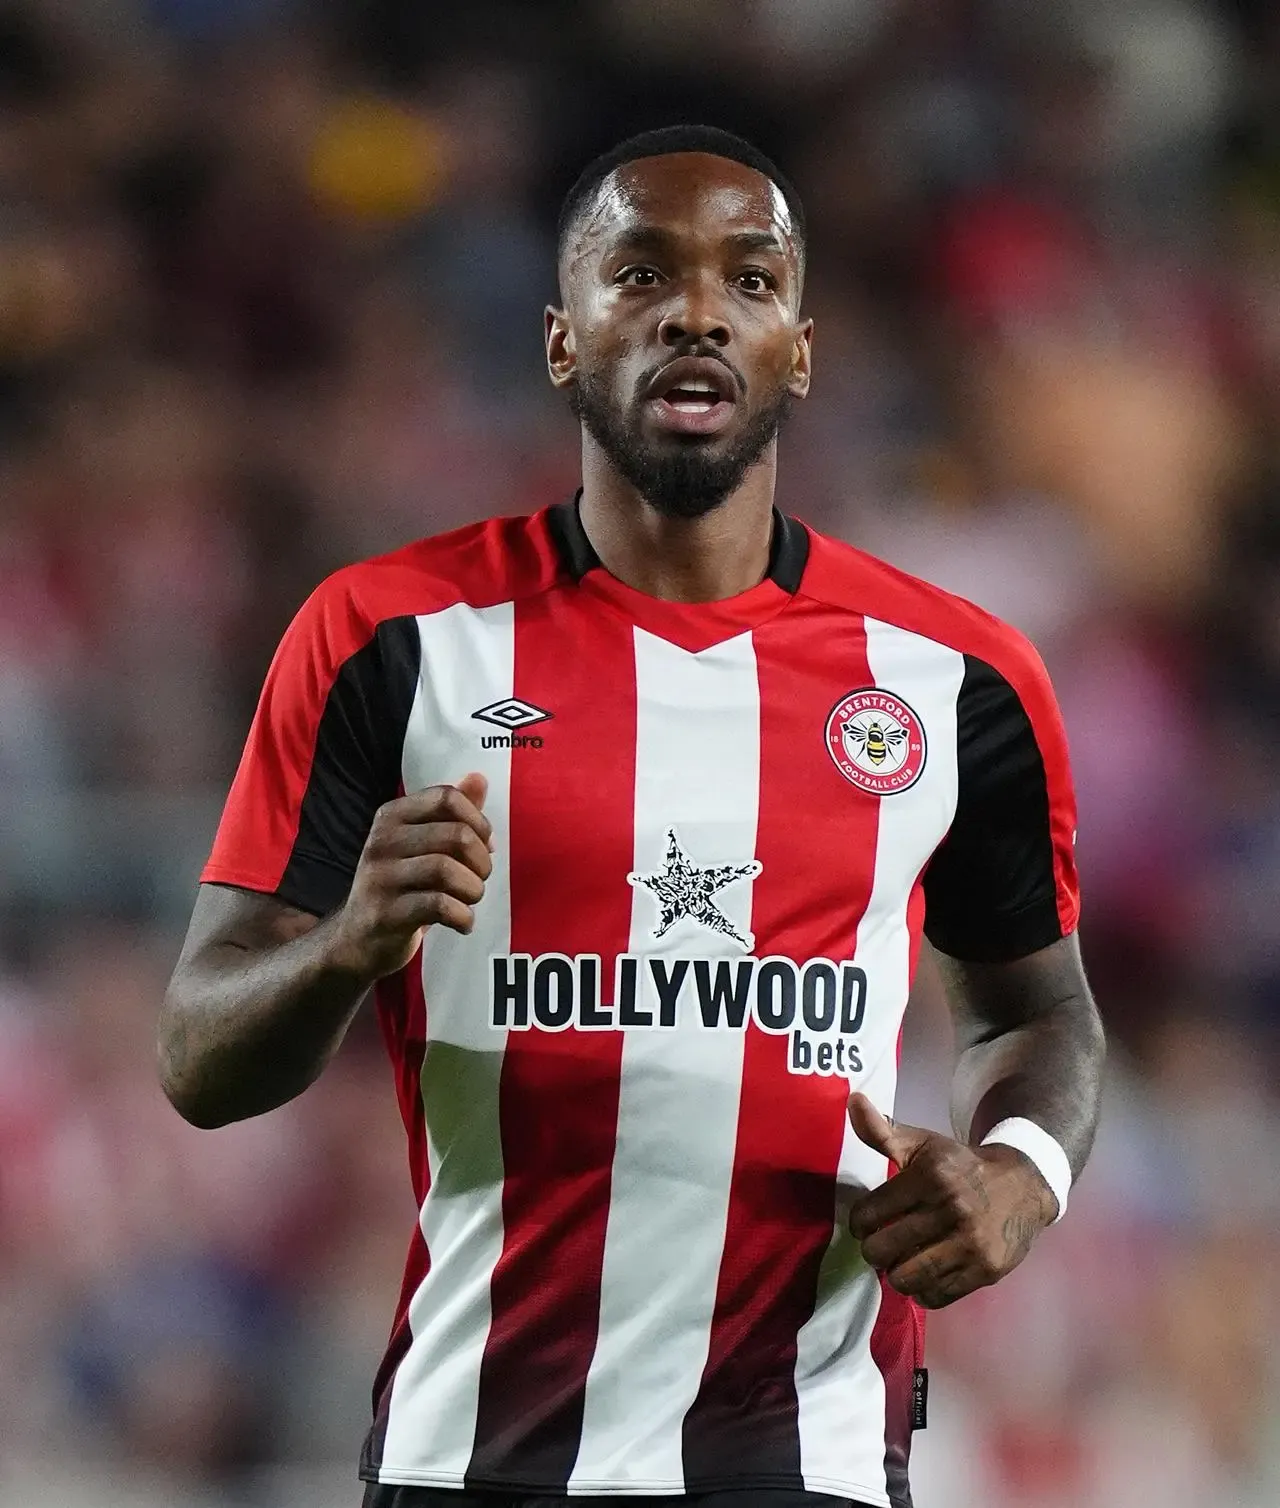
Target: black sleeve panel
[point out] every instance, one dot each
(990, 888)
(356, 767)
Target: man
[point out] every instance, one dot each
(635, 812)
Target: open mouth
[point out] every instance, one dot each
(693, 395)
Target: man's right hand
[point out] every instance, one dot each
(424, 864)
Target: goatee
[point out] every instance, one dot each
(677, 480)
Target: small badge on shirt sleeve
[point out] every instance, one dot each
(920, 1398)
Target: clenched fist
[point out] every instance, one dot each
(954, 1218)
(424, 863)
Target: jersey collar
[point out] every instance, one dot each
(693, 625)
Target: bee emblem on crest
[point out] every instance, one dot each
(876, 741)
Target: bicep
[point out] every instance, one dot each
(246, 921)
(989, 999)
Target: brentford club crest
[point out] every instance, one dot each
(876, 741)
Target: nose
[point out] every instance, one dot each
(692, 318)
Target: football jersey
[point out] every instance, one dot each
(721, 830)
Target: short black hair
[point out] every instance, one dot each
(660, 143)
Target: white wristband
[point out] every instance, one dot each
(1036, 1143)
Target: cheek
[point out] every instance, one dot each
(608, 356)
(599, 329)
(773, 366)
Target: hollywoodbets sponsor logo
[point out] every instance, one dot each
(819, 1005)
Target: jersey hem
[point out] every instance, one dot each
(873, 1497)
(1026, 931)
(242, 880)
(225, 874)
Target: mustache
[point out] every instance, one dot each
(701, 351)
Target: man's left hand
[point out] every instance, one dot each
(954, 1218)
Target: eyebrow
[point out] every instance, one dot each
(644, 236)
(757, 240)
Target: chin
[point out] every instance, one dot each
(666, 446)
(666, 442)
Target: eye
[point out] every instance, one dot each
(638, 277)
(756, 280)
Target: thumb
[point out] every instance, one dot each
(475, 787)
(898, 1142)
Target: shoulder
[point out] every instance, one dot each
(843, 576)
(479, 565)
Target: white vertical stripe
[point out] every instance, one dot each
(839, 1387)
(468, 657)
(698, 772)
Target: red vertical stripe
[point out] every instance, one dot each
(897, 1337)
(559, 1090)
(897, 1342)
(791, 1126)
(402, 1014)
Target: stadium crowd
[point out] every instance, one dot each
(271, 281)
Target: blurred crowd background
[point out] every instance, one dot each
(271, 282)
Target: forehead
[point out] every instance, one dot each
(689, 192)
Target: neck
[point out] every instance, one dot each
(706, 559)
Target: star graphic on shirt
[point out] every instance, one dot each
(684, 889)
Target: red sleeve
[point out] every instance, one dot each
(1003, 882)
(322, 754)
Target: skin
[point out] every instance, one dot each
(686, 254)
(681, 255)
(959, 1216)
(263, 994)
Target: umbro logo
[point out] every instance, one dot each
(511, 714)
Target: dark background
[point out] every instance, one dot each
(271, 281)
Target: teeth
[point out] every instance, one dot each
(698, 386)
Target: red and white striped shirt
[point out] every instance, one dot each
(721, 831)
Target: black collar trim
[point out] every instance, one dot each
(788, 549)
(577, 553)
(788, 552)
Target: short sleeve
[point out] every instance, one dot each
(323, 753)
(1003, 881)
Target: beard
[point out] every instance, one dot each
(679, 479)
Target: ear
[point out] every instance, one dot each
(801, 360)
(562, 356)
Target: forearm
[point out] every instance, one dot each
(1050, 1073)
(243, 1029)
(1027, 1051)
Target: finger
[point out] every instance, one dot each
(947, 1290)
(430, 908)
(412, 840)
(435, 872)
(936, 1276)
(897, 1142)
(895, 1243)
(906, 1193)
(439, 803)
